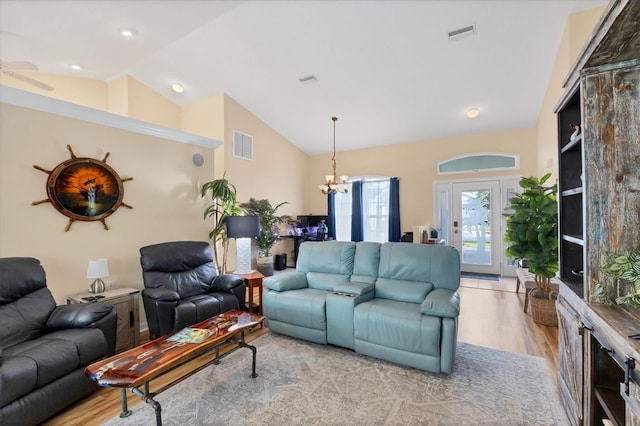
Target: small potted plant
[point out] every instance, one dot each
(269, 232)
(532, 234)
(624, 286)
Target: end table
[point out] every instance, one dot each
(254, 279)
(125, 304)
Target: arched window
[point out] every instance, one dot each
(479, 162)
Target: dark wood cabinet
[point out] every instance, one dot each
(599, 202)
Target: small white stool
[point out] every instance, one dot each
(528, 281)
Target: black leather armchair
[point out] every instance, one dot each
(182, 286)
(45, 348)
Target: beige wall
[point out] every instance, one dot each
(164, 191)
(81, 91)
(277, 172)
(148, 105)
(579, 28)
(415, 164)
(118, 96)
(164, 195)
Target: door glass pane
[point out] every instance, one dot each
(476, 227)
(443, 232)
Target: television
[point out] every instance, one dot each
(311, 221)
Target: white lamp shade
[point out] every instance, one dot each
(98, 269)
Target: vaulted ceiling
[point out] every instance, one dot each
(386, 68)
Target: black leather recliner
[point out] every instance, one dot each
(182, 286)
(45, 348)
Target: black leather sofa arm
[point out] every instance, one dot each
(161, 294)
(226, 283)
(78, 315)
(108, 324)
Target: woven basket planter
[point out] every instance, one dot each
(543, 311)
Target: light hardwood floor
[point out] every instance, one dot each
(491, 315)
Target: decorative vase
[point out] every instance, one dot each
(265, 265)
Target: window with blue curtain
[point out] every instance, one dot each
(370, 211)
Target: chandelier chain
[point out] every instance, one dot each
(334, 183)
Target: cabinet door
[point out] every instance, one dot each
(632, 405)
(125, 338)
(570, 354)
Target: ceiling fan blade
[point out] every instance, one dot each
(29, 80)
(18, 65)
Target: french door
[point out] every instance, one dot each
(469, 217)
(476, 225)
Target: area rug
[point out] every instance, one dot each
(303, 383)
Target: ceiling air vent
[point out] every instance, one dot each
(242, 145)
(308, 79)
(462, 32)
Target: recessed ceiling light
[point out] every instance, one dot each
(473, 112)
(76, 67)
(128, 32)
(177, 87)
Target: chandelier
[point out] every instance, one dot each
(334, 183)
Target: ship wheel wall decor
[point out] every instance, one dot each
(84, 189)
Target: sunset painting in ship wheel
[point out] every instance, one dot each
(86, 189)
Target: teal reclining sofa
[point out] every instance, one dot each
(393, 301)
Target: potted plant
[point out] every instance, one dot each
(269, 232)
(223, 204)
(532, 234)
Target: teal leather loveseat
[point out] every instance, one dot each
(393, 301)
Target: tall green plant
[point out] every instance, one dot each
(269, 221)
(223, 204)
(532, 229)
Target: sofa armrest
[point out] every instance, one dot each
(288, 281)
(230, 283)
(108, 325)
(226, 283)
(160, 294)
(78, 315)
(441, 302)
(354, 288)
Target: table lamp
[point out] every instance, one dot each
(243, 228)
(97, 269)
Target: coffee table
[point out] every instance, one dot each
(137, 367)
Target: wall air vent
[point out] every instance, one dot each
(242, 145)
(308, 79)
(462, 32)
